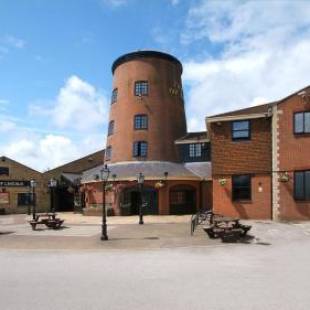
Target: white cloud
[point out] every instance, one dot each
(73, 125)
(12, 41)
(3, 104)
(174, 2)
(79, 105)
(6, 125)
(265, 48)
(42, 152)
(114, 3)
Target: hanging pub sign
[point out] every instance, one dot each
(13, 183)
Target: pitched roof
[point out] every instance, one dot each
(79, 165)
(4, 158)
(259, 109)
(263, 108)
(193, 137)
(152, 170)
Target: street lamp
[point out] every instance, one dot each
(140, 179)
(104, 175)
(33, 185)
(52, 185)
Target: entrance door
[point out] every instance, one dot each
(131, 200)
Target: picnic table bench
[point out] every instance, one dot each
(218, 226)
(48, 219)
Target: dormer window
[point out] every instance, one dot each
(141, 88)
(195, 150)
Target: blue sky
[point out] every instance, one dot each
(56, 56)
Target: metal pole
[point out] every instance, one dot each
(51, 198)
(33, 204)
(104, 234)
(141, 205)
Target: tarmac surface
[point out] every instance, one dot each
(157, 265)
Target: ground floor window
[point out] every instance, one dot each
(24, 199)
(302, 185)
(241, 187)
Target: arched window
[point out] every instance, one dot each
(111, 128)
(141, 121)
(141, 88)
(140, 149)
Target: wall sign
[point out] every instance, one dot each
(4, 198)
(13, 183)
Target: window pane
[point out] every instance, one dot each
(24, 199)
(135, 149)
(198, 150)
(241, 187)
(114, 95)
(307, 185)
(241, 134)
(111, 128)
(192, 150)
(307, 122)
(299, 185)
(299, 123)
(143, 149)
(241, 125)
(108, 153)
(141, 88)
(241, 180)
(144, 122)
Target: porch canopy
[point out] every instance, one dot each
(152, 170)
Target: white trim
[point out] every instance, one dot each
(275, 164)
(236, 117)
(191, 141)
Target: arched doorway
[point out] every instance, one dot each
(182, 200)
(130, 201)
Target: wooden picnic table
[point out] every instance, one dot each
(48, 219)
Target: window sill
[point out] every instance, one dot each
(302, 134)
(243, 201)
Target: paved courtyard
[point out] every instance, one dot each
(154, 266)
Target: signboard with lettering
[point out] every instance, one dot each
(13, 183)
(4, 198)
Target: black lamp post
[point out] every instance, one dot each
(104, 175)
(33, 185)
(52, 185)
(140, 179)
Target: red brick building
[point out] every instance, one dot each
(261, 160)
(147, 134)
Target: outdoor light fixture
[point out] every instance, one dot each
(140, 180)
(52, 185)
(33, 185)
(104, 175)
